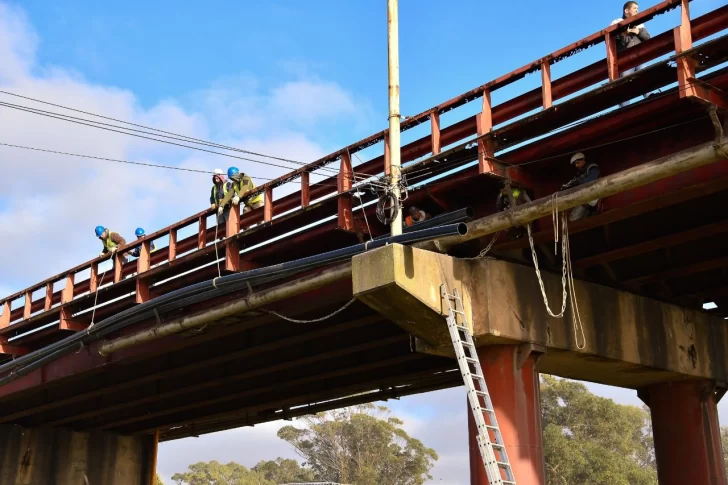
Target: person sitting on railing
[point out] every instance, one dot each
(586, 173)
(137, 250)
(218, 193)
(503, 203)
(111, 240)
(237, 188)
(634, 35)
(416, 215)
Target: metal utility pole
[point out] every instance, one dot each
(394, 142)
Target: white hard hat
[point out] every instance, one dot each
(576, 157)
(218, 171)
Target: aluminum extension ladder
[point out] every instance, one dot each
(490, 440)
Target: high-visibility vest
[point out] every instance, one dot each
(109, 244)
(218, 197)
(244, 186)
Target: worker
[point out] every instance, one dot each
(137, 250)
(503, 202)
(585, 173)
(111, 240)
(519, 196)
(416, 215)
(238, 185)
(634, 35)
(218, 193)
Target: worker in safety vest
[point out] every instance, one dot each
(137, 251)
(111, 240)
(416, 215)
(518, 196)
(218, 193)
(585, 174)
(238, 185)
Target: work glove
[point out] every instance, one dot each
(236, 200)
(212, 206)
(219, 211)
(102, 254)
(113, 250)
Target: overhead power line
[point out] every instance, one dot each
(165, 134)
(143, 164)
(190, 138)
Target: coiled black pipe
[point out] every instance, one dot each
(205, 290)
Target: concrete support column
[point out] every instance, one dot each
(686, 432)
(42, 456)
(512, 380)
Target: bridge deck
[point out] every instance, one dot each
(662, 240)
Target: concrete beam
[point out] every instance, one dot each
(64, 457)
(629, 341)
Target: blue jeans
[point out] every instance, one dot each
(627, 73)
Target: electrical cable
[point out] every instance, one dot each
(143, 164)
(198, 140)
(164, 134)
(198, 292)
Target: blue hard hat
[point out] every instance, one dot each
(232, 171)
(99, 230)
(139, 232)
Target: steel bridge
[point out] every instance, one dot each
(663, 242)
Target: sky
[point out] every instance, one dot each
(292, 79)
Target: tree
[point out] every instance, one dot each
(214, 473)
(364, 445)
(157, 480)
(284, 470)
(592, 440)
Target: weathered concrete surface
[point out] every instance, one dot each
(59, 456)
(629, 341)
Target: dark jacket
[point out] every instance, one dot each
(503, 202)
(217, 193)
(626, 40)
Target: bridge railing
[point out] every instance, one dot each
(489, 140)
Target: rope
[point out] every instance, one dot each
(538, 271)
(96, 298)
(361, 206)
(217, 255)
(315, 320)
(575, 315)
(567, 273)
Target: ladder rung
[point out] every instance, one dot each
(493, 453)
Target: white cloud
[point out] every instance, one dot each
(308, 102)
(49, 204)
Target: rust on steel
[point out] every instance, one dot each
(699, 28)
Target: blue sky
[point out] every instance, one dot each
(296, 79)
(167, 49)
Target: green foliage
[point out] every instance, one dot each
(214, 473)
(157, 480)
(284, 470)
(364, 445)
(590, 440)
